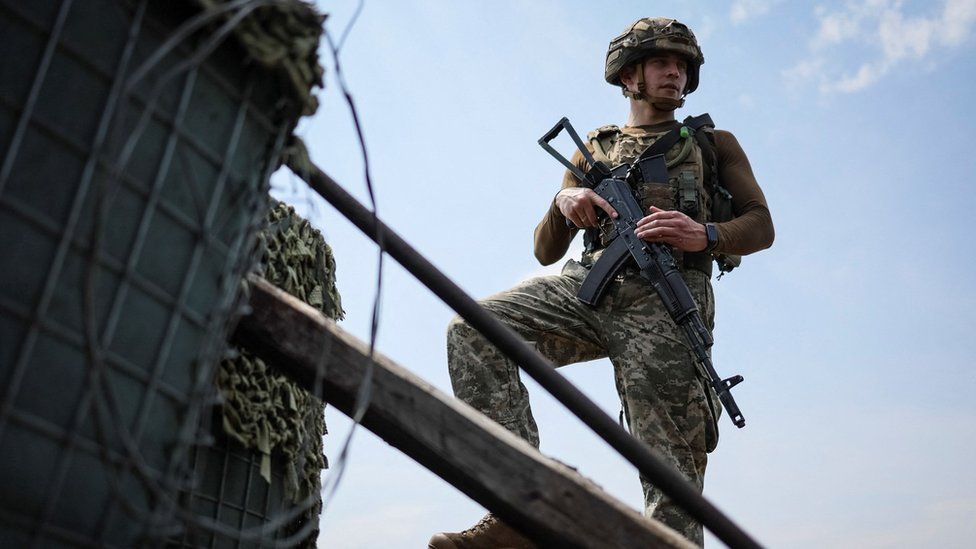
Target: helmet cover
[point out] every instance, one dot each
(648, 36)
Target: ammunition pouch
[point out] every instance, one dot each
(688, 194)
(721, 204)
(721, 212)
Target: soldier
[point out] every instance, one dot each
(664, 396)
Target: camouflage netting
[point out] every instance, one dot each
(262, 409)
(283, 36)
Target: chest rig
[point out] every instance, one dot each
(692, 186)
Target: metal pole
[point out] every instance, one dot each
(644, 458)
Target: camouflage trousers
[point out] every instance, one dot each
(664, 397)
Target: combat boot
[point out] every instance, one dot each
(489, 533)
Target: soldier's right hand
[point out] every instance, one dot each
(578, 205)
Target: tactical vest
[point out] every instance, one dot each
(689, 188)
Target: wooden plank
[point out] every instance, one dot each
(546, 500)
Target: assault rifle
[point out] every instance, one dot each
(654, 260)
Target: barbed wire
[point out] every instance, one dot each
(364, 392)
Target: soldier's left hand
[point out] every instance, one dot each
(674, 228)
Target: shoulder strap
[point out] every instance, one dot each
(698, 122)
(705, 138)
(597, 138)
(703, 126)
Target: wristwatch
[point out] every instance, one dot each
(711, 233)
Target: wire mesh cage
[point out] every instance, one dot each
(233, 494)
(136, 142)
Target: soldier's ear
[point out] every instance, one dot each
(627, 75)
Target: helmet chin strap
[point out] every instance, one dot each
(666, 103)
(659, 103)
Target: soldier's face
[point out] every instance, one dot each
(666, 75)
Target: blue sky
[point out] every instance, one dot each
(853, 331)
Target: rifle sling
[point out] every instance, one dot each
(668, 140)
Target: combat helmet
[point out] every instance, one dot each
(650, 35)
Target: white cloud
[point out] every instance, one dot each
(743, 10)
(882, 27)
(958, 16)
(804, 71)
(835, 28)
(866, 75)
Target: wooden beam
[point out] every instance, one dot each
(544, 499)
